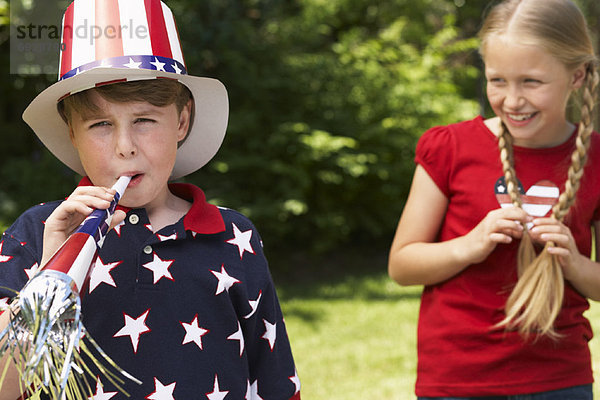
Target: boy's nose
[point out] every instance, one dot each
(125, 144)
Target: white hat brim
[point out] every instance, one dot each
(202, 143)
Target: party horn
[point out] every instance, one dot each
(75, 257)
(45, 335)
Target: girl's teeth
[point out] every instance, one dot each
(521, 117)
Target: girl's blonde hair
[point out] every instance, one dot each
(559, 28)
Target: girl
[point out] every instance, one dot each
(483, 187)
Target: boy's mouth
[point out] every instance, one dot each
(135, 178)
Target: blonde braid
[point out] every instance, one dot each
(582, 144)
(526, 253)
(537, 298)
(505, 142)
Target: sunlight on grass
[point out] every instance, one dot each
(356, 338)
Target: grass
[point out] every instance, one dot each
(355, 337)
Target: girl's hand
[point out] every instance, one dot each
(550, 230)
(67, 217)
(499, 226)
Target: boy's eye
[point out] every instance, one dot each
(144, 120)
(99, 124)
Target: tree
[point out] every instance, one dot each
(327, 101)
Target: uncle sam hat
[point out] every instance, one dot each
(110, 41)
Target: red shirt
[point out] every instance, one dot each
(458, 352)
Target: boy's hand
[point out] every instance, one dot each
(67, 217)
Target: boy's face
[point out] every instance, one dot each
(135, 139)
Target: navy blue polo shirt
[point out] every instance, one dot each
(190, 310)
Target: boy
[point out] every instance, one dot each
(180, 296)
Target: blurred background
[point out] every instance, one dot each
(327, 101)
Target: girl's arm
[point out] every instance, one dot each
(579, 270)
(415, 259)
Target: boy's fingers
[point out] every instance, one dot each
(74, 203)
(118, 217)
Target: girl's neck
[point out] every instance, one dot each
(494, 125)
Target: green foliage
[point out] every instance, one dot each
(327, 101)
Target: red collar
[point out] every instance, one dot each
(203, 218)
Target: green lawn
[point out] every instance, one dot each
(355, 338)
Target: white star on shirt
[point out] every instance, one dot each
(101, 274)
(500, 189)
(254, 305)
(238, 335)
(134, 328)
(3, 258)
(117, 228)
(132, 64)
(193, 332)
(31, 271)
(100, 394)
(225, 281)
(270, 333)
(162, 238)
(217, 394)
(252, 391)
(241, 240)
(160, 66)
(296, 381)
(159, 268)
(4, 303)
(162, 392)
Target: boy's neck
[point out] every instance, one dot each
(168, 212)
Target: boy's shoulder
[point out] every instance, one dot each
(234, 217)
(33, 219)
(27, 231)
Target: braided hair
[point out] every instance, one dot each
(558, 27)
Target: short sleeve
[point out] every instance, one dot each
(21, 249)
(435, 153)
(15, 262)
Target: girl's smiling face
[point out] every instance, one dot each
(133, 138)
(529, 90)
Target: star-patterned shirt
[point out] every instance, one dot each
(190, 310)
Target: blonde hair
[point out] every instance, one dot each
(559, 28)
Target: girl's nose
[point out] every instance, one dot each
(514, 98)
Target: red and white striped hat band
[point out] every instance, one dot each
(137, 34)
